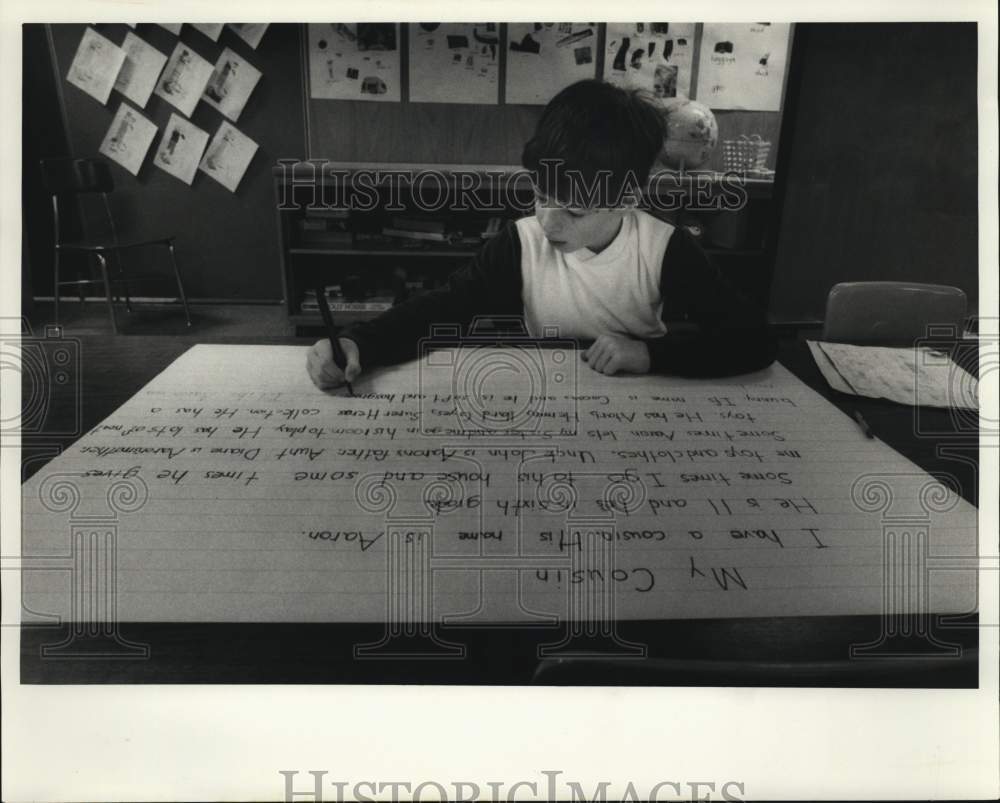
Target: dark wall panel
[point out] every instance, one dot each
(882, 183)
(42, 134)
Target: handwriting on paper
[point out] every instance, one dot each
(267, 500)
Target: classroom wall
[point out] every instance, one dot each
(882, 171)
(360, 131)
(881, 178)
(42, 134)
(227, 246)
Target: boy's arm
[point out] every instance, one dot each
(729, 334)
(489, 285)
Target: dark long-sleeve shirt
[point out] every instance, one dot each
(710, 329)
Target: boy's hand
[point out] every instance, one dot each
(323, 371)
(611, 355)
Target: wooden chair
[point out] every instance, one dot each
(65, 179)
(891, 313)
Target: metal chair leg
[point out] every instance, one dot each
(180, 285)
(107, 292)
(121, 274)
(81, 292)
(55, 285)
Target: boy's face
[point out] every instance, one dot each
(570, 228)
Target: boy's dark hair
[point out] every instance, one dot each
(593, 142)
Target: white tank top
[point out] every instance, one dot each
(583, 294)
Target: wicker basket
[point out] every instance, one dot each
(746, 154)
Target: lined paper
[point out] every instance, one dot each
(483, 485)
(919, 376)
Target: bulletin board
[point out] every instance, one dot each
(467, 133)
(226, 244)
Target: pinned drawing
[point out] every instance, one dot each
(143, 64)
(249, 32)
(232, 81)
(96, 65)
(211, 29)
(354, 61)
(181, 148)
(656, 56)
(228, 156)
(454, 62)
(128, 138)
(184, 79)
(742, 65)
(542, 58)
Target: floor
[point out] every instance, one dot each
(214, 320)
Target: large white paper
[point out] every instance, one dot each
(181, 148)
(232, 81)
(128, 138)
(228, 156)
(354, 61)
(544, 57)
(501, 485)
(184, 79)
(454, 62)
(656, 56)
(742, 65)
(96, 65)
(142, 67)
(914, 376)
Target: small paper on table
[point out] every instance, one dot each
(914, 376)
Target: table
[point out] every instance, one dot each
(785, 651)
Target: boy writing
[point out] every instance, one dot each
(587, 262)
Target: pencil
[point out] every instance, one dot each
(338, 353)
(863, 424)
